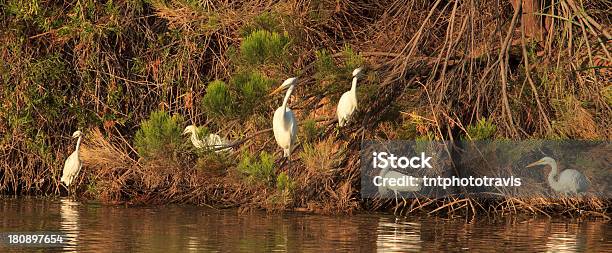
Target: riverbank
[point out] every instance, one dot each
(434, 71)
(305, 185)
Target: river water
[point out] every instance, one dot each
(101, 228)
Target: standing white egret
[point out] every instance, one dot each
(348, 101)
(73, 164)
(570, 181)
(213, 141)
(284, 124)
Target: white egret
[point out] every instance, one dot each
(570, 181)
(348, 102)
(73, 164)
(387, 175)
(213, 141)
(284, 124)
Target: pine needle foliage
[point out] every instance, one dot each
(284, 183)
(263, 46)
(159, 135)
(327, 71)
(309, 130)
(257, 169)
(218, 99)
(482, 130)
(251, 87)
(352, 60)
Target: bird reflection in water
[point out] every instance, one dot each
(394, 235)
(69, 225)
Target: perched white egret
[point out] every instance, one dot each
(570, 181)
(284, 124)
(348, 102)
(213, 141)
(73, 164)
(194, 136)
(386, 174)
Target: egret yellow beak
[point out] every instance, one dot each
(533, 164)
(277, 90)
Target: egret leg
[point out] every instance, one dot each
(289, 155)
(340, 135)
(65, 187)
(396, 203)
(337, 131)
(283, 162)
(289, 163)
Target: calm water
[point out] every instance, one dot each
(99, 228)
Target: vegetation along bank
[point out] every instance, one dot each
(133, 74)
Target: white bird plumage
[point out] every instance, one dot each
(570, 181)
(212, 141)
(348, 101)
(385, 173)
(73, 164)
(284, 124)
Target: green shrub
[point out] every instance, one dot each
(482, 130)
(218, 99)
(324, 62)
(332, 77)
(262, 46)
(257, 170)
(159, 135)
(326, 70)
(23, 10)
(310, 130)
(352, 60)
(251, 86)
(284, 183)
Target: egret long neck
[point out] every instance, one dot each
(78, 143)
(552, 174)
(194, 136)
(286, 100)
(354, 88)
(384, 171)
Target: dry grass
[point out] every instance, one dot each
(321, 157)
